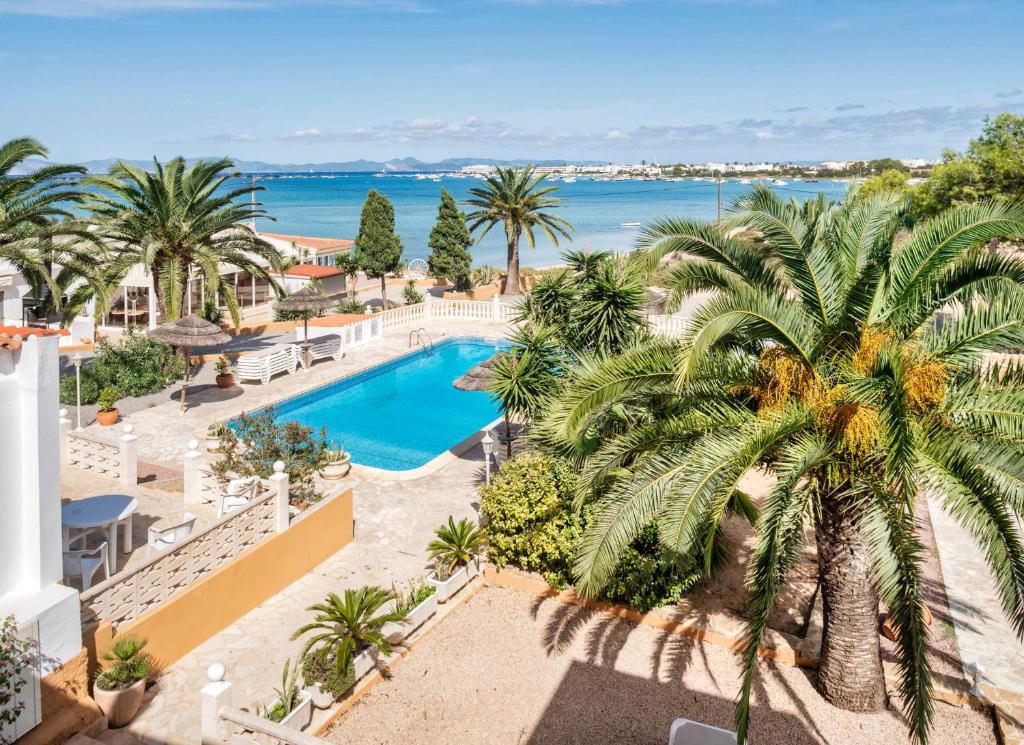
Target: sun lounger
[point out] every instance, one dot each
(321, 348)
(685, 732)
(263, 367)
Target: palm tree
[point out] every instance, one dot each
(520, 201)
(344, 626)
(34, 212)
(819, 360)
(177, 222)
(526, 376)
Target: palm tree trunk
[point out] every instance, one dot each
(508, 436)
(850, 671)
(512, 280)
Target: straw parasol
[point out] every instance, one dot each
(478, 378)
(187, 333)
(306, 301)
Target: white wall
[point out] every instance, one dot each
(14, 288)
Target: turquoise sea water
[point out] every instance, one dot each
(403, 413)
(329, 205)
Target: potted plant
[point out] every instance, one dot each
(337, 463)
(119, 687)
(292, 706)
(324, 679)
(418, 603)
(455, 555)
(346, 630)
(214, 435)
(107, 401)
(225, 378)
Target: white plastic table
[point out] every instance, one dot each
(105, 510)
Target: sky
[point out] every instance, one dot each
(297, 81)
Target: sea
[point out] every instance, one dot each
(328, 205)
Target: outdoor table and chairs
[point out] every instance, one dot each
(83, 517)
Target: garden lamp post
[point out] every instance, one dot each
(77, 362)
(488, 445)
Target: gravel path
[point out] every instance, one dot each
(508, 669)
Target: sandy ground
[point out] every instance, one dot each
(509, 669)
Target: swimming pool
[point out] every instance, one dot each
(403, 413)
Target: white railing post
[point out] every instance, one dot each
(214, 696)
(65, 428)
(193, 485)
(496, 308)
(279, 484)
(428, 301)
(129, 456)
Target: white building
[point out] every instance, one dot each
(478, 170)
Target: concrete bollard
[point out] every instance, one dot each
(193, 486)
(428, 307)
(214, 696)
(65, 428)
(279, 484)
(129, 456)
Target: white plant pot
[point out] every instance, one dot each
(364, 662)
(302, 714)
(458, 580)
(321, 699)
(396, 632)
(336, 469)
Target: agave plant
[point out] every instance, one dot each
(287, 696)
(820, 361)
(346, 625)
(128, 663)
(521, 201)
(455, 546)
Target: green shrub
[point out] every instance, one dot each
(107, 399)
(410, 294)
(647, 575)
(320, 668)
(532, 525)
(135, 366)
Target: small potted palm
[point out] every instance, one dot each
(337, 463)
(347, 631)
(120, 686)
(455, 553)
(292, 706)
(107, 402)
(225, 378)
(418, 603)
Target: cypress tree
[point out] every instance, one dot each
(449, 243)
(378, 247)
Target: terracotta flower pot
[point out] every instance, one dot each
(120, 706)
(108, 418)
(225, 380)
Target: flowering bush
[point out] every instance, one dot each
(15, 658)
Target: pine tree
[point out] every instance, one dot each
(378, 247)
(449, 243)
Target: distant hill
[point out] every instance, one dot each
(350, 166)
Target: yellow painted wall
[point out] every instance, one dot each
(182, 623)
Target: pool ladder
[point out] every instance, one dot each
(419, 334)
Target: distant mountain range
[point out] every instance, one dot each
(350, 166)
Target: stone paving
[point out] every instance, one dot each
(984, 637)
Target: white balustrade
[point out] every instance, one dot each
(116, 459)
(673, 326)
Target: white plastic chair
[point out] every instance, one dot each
(239, 492)
(86, 562)
(161, 539)
(685, 732)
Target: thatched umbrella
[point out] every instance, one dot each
(189, 332)
(306, 301)
(478, 378)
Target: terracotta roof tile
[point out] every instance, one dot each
(319, 244)
(11, 337)
(313, 271)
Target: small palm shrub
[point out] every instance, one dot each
(352, 306)
(128, 663)
(456, 544)
(410, 294)
(287, 695)
(346, 625)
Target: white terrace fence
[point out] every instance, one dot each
(667, 325)
(131, 593)
(113, 456)
(462, 310)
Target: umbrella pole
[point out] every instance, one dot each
(184, 382)
(305, 339)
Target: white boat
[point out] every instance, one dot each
(570, 179)
(629, 224)
(778, 182)
(744, 181)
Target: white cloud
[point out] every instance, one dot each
(426, 123)
(311, 134)
(1009, 93)
(240, 137)
(615, 135)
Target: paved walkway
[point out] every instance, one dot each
(983, 635)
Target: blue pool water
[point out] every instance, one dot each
(403, 413)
